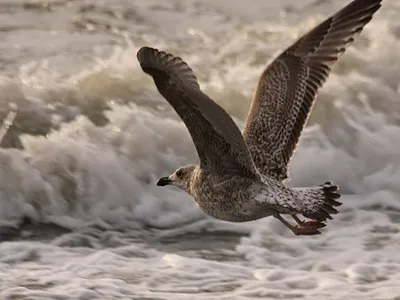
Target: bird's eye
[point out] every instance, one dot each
(179, 173)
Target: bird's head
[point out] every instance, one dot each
(181, 178)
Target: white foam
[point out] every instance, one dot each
(130, 238)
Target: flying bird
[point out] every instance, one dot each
(242, 177)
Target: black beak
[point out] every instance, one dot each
(164, 181)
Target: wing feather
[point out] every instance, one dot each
(287, 89)
(218, 141)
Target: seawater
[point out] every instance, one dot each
(80, 214)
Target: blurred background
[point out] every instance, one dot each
(80, 214)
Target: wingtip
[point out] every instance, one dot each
(367, 7)
(149, 59)
(144, 53)
(376, 5)
(155, 62)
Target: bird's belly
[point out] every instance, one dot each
(232, 200)
(233, 212)
(217, 209)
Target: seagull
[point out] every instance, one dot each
(243, 176)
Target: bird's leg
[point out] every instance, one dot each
(298, 221)
(313, 223)
(300, 229)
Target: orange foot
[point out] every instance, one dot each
(308, 228)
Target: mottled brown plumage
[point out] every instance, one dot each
(240, 177)
(288, 87)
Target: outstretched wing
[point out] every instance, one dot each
(218, 141)
(288, 87)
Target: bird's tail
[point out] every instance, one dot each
(319, 202)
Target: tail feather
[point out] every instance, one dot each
(321, 202)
